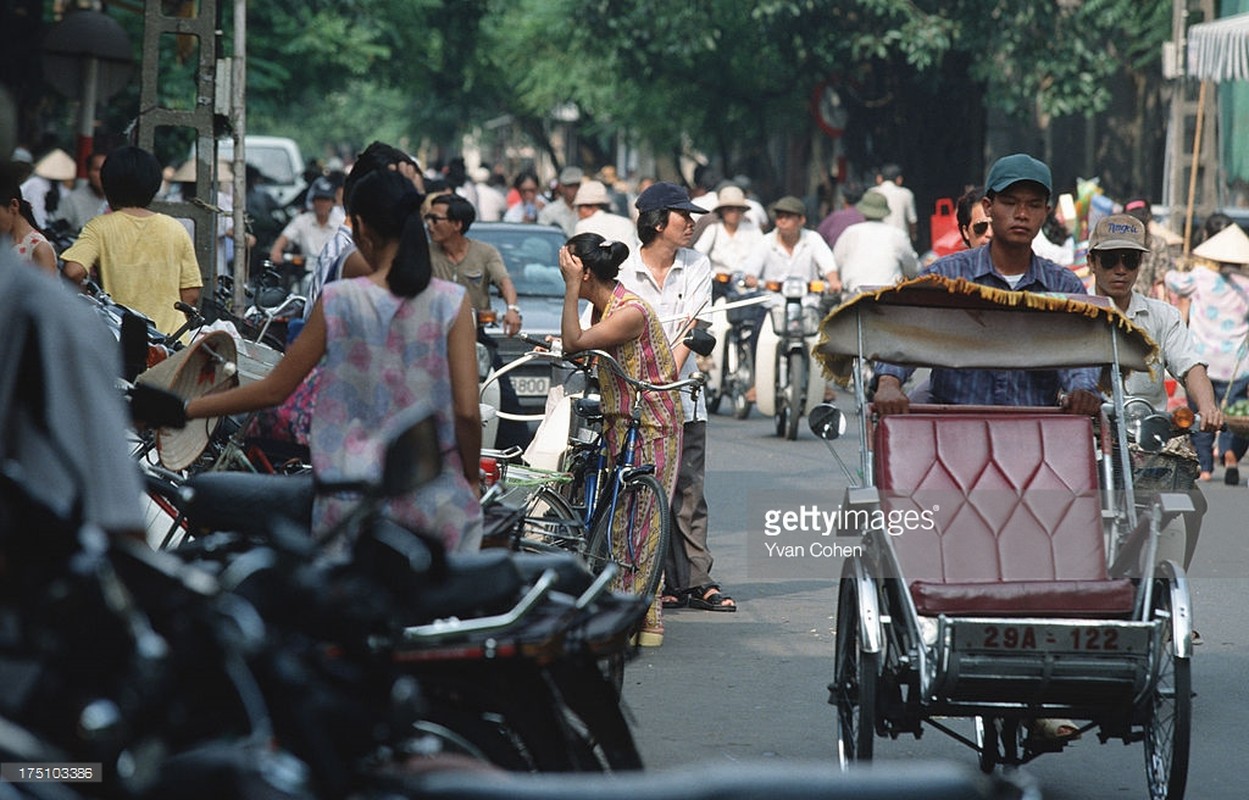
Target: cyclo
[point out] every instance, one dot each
(981, 589)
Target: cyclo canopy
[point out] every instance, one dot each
(933, 321)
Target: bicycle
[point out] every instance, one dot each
(594, 506)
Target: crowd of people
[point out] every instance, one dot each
(397, 281)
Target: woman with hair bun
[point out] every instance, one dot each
(388, 341)
(628, 328)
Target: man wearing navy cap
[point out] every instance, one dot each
(1017, 201)
(676, 280)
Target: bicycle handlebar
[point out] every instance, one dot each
(696, 380)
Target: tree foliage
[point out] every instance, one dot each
(725, 75)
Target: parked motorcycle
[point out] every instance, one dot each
(731, 366)
(786, 387)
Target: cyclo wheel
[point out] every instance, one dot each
(853, 690)
(640, 498)
(550, 524)
(794, 399)
(1168, 728)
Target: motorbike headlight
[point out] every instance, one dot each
(483, 361)
(794, 287)
(1134, 411)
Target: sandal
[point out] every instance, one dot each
(678, 600)
(710, 598)
(1055, 730)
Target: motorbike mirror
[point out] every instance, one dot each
(1153, 433)
(412, 456)
(827, 422)
(133, 346)
(700, 341)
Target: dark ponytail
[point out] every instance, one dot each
(28, 214)
(601, 256)
(392, 208)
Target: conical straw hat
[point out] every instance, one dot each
(57, 166)
(208, 365)
(186, 172)
(1229, 246)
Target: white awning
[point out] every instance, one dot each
(1219, 50)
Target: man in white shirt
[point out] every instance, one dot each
(901, 200)
(312, 230)
(491, 203)
(790, 250)
(873, 252)
(560, 211)
(592, 203)
(676, 281)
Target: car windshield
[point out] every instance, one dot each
(273, 162)
(531, 256)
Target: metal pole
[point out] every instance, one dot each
(238, 88)
(86, 119)
(1192, 175)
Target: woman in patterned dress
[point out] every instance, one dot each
(17, 220)
(628, 328)
(386, 342)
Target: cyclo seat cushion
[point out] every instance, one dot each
(1005, 514)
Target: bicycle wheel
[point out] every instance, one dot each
(550, 523)
(853, 689)
(1168, 729)
(634, 536)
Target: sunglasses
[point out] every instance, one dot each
(1107, 259)
(435, 218)
(980, 227)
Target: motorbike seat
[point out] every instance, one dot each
(475, 584)
(248, 503)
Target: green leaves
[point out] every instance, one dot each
(722, 74)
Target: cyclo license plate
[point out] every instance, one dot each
(1049, 637)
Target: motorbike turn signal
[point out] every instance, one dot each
(1183, 418)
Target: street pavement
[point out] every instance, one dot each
(750, 686)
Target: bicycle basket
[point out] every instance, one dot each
(1162, 472)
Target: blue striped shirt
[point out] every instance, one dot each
(1002, 387)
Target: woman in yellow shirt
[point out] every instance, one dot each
(144, 260)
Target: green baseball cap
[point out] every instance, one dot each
(1017, 167)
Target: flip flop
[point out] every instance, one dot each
(716, 601)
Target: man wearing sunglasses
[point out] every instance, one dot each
(1017, 202)
(1117, 248)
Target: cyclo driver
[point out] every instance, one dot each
(1017, 194)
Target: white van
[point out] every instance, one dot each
(278, 159)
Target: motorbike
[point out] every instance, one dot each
(786, 387)
(730, 373)
(1162, 460)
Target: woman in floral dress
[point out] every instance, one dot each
(386, 342)
(627, 327)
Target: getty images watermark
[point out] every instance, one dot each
(800, 540)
